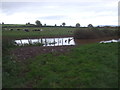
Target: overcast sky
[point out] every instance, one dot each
(51, 12)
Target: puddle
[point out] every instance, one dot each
(61, 41)
(110, 41)
(46, 41)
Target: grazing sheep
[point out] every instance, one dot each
(11, 29)
(41, 29)
(18, 29)
(36, 30)
(5, 29)
(33, 30)
(26, 30)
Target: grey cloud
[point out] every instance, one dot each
(60, 10)
(119, 8)
(13, 7)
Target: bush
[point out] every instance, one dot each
(92, 33)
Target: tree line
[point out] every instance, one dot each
(39, 24)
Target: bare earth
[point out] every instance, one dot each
(24, 53)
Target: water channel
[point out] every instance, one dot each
(60, 41)
(46, 41)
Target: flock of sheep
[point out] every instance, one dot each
(26, 30)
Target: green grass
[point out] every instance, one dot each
(47, 31)
(88, 66)
(59, 31)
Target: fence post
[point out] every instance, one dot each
(21, 42)
(62, 41)
(45, 42)
(58, 41)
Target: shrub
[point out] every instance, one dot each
(92, 33)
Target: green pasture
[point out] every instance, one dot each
(88, 66)
(47, 31)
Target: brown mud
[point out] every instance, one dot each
(89, 41)
(24, 53)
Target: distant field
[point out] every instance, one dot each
(47, 31)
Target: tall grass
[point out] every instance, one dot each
(92, 33)
(10, 68)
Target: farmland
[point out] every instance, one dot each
(92, 65)
(47, 31)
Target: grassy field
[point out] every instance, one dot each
(88, 66)
(47, 31)
(55, 31)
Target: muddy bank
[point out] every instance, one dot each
(24, 53)
(89, 41)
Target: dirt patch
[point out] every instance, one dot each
(24, 53)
